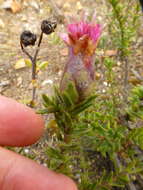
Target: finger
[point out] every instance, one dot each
(19, 125)
(19, 173)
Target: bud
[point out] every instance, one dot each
(27, 38)
(48, 27)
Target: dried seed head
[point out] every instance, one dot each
(48, 27)
(27, 38)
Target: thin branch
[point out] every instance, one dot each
(34, 68)
(56, 11)
(24, 51)
(33, 60)
(35, 57)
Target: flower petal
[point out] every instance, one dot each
(65, 37)
(76, 37)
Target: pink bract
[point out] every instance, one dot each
(77, 30)
(82, 37)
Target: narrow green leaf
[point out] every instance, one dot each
(47, 100)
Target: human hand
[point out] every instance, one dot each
(20, 126)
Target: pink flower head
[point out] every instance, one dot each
(83, 37)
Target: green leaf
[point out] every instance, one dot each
(42, 65)
(42, 111)
(47, 100)
(67, 100)
(54, 153)
(58, 97)
(124, 178)
(83, 105)
(72, 92)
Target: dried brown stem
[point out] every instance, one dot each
(24, 51)
(35, 57)
(56, 11)
(34, 68)
(33, 60)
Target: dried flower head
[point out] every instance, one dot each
(27, 38)
(48, 27)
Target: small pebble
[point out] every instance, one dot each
(47, 82)
(103, 90)
(105, 83)
(19, 81)
(4, 83)
(26, 150)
